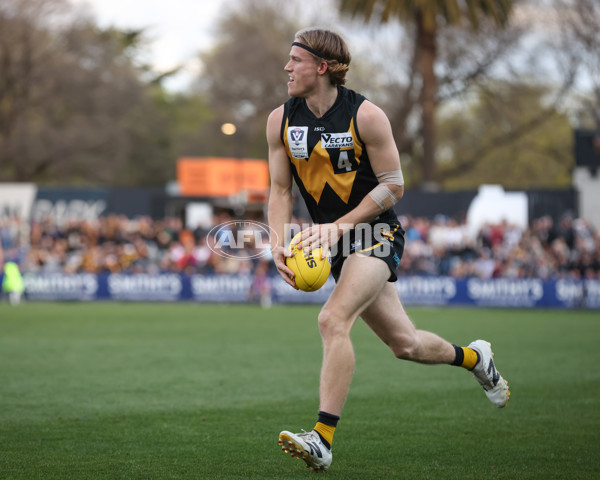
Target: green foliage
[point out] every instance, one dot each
(155, 391)
(426, 18)
(82, 105)
(508, 133)
(432, 11)
(74, 97)
(244, 77)
(70, 98)
(191, 118)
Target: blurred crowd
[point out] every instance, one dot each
(567, 248)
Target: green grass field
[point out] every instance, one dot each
(187, 391)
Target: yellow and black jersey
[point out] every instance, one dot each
(329, 160)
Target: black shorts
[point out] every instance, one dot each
(379, 239)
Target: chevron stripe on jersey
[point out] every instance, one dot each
(329, 162)
(336, 166)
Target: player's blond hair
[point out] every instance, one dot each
(331, 47)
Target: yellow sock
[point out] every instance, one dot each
(465, 357)
(326, 431)
(470, 359)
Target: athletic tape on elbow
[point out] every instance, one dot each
(394, 177)
(382, 195)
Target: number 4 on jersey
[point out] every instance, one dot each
(344, 161)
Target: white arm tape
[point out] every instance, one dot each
(381, 194)
(391, 178)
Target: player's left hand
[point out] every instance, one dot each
(323, 235)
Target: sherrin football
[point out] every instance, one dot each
(311, 271)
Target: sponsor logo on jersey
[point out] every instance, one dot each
(297, 135)
(337, 140)
(297, 141)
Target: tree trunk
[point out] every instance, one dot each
(426, 44)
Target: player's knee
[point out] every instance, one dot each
(331, 323)
(405, 346)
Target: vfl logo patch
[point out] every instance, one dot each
(337, 140)
(297, 135)
(297, 141)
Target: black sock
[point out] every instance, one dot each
(460, 356)
(328, 419)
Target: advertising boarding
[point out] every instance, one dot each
(413, 290)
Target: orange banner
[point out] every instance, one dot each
(221, 177)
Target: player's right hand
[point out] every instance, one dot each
(279, 255)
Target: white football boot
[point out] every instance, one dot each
(307, 446)
(496, 388)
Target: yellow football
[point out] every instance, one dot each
(311, 271)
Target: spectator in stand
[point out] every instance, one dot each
(433, 247)
(260, 289)
(12, 282)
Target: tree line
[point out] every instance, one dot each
(478, 91)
